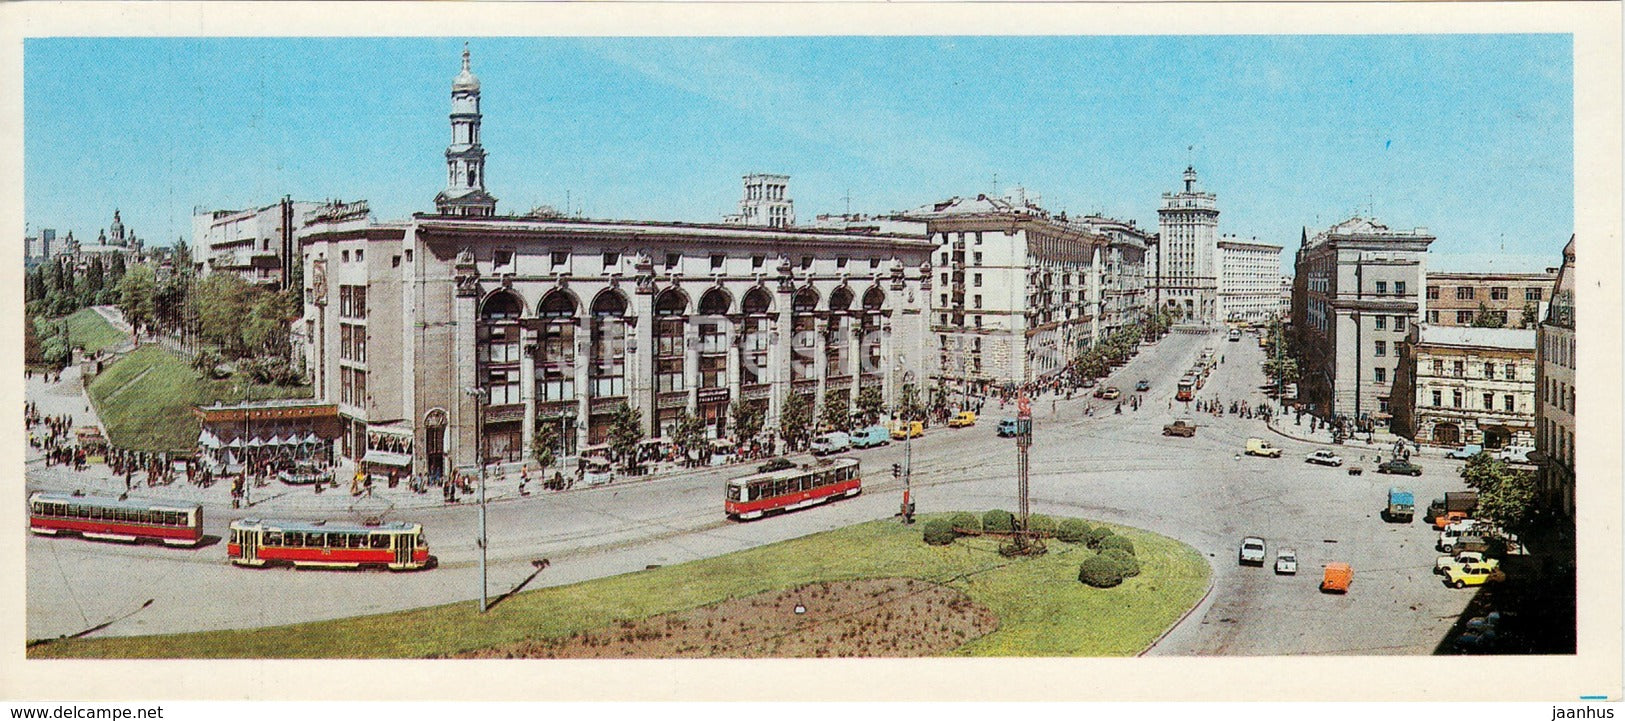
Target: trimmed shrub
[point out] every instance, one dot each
(998, 521)
(1100, 572)
(1126, 564)
(1096, 535)
(1043, 525)
(1073, 530)
(1117, 542)
(939, 532)
(966, 521)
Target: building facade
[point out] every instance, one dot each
(258, 244)
(1187, 275)
(453, 336)
(1020, 292)
(560, 321)
(1515, 299)
(1555, 392)
(1249, 280)
(1284, 300)
(1123, 295)
(1357, 292)
(1459, 386)
(766, 202)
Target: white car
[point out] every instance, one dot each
(1514, 454)
(1325, 458)
(1252, 551)
(835, 442)
(1286, 561)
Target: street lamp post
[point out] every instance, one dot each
(908, 457)
(479, 395)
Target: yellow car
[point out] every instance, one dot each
(962, 419)
(1261, 447)
(1472, 575)
(901, 430)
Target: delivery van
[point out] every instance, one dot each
(1337, 578)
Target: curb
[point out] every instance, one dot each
(1182, 618)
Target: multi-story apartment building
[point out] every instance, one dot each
(1515, 299)
(562, 320)
(1358, 290)
(1123, 295)
(1466, 385)
(766, 202)
(1555, 393)
(1249, 280)
(258, 244)
(1284, 308)
(1019, 292)
(1187, 275)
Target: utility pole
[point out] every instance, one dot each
(479, 451)
(908, 457)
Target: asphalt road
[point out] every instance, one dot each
(1112, 467)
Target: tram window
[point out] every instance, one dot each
(357, 540)
(273, 538)
(380, 541)
(422, 542)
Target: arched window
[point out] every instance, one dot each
(836, 347)
(874, 303)
(608, 370)
(712, 325)
(556, 348)
(715, 302)
(497, 351)
(804, 329)
(669, 307)
(756, 330)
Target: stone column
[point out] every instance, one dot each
(640, 360)
(528, 339)
(464, 374)
(583, 359)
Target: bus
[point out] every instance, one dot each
(1187, 386)
(395, 545)
(131, 520)
(786, 490)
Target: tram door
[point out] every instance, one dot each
(250, 539)
(403, 548)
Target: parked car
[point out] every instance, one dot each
(1467, 451)
(902, 430)
(1464, 576)
(1181, 427)
(1448, 519)
(1286, 562)
(1089, 383)
(1142, 386)
(1252, 551)
(1008, 427)
(1514, 454)
(1325, 458)
(1463, 559)
(1261, 447)
(870, 437)
(1111, 393)
(828, 443)
(1399, 467)
(962, 419)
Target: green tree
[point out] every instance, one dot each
(265, 328)
(909, 407)
(1486, 318)
(137, 291)
(796, 419)
(1530, 316)
(33, 354)
(34, 284)
(544, 443)
(871, 404)
(115, 269)
(625, 433)
(95, 276)
(747, 421)
(222, 302)
(836, 414)
(1506, 495)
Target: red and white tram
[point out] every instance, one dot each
(792, 488)
(108, 518)
(394, 545)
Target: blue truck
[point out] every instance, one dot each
(1401, 505)
(870, 437)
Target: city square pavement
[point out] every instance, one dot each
(1099, 464)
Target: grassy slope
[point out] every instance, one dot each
(88, 328)
(154, 413)
(1043, 609)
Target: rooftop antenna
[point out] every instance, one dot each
(995, 192)
(848, 199)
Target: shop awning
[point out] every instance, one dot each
(208, 440)
(255, 442)
(387, 458)
(311, 438)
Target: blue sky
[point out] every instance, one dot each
(1468, 135)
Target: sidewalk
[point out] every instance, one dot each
(1382, 442)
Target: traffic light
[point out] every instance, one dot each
(896, 470)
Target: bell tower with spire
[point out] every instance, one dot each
(465, 158)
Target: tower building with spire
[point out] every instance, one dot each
(1188, 254)
(465, 157)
